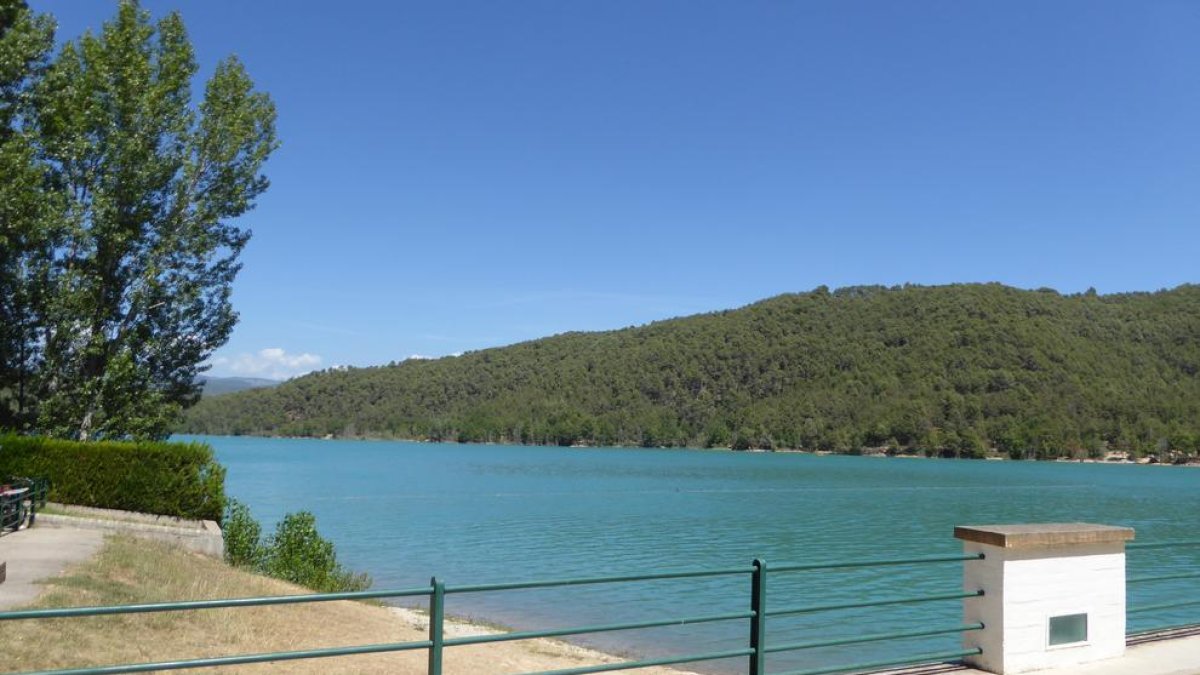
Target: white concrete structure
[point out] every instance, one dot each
(1069, 577)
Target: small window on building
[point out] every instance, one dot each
(1068, 629)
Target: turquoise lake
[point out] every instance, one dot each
(404, 512)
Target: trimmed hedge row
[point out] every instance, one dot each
(174, 479)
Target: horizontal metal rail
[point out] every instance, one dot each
(435, 591)
(582, 581)
(879, 562)
(913, 660)
(437, 641)
(1162, 577)
(877, 637)
(239, 659)
(807, 609)
(99, 610)
(647, 663)
(1165, 577)
(599, 628)
(354, 595)
(1164, 605)
(1163, 544)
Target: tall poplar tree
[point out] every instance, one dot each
(147, 185)
(28, 212)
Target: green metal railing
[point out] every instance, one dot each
(756, 616)
(20, 499)
(1151, 579)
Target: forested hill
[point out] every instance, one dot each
(215, 386)
(959, 369)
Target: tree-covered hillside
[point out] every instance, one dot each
(216, 386)
(952, 369)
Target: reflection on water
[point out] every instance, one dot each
(471, 514)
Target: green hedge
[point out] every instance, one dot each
(174, 479)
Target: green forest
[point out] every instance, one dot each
(963, 370)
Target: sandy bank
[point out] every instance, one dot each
(524, 656)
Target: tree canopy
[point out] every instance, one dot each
(958, 370)
(119, 242)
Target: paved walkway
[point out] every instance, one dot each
(40, 553)
(1178, 656)
(1175, 654)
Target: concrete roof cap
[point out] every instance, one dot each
(1041, 535)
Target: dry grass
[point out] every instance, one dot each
(131, 570)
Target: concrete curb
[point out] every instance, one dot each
(201, 536)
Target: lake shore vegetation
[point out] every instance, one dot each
(296, 552)
(965, 370)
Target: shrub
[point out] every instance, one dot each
(243, 536)
(173, 479)
(296, 552)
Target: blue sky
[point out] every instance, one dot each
(460, 175)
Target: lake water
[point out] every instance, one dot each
(472, 514)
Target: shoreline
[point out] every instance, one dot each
(455, 627)
(864, 452)
(127, 569)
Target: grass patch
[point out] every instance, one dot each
(129, 570)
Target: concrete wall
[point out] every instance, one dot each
(202, 536)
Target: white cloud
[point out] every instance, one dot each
(272, 362)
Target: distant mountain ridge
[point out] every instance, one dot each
(215, 386)
(954, 370)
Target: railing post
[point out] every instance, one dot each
(758, 622)
(437, 606)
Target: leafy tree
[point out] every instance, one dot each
(243, 536)
(27, 212)
(135, 295)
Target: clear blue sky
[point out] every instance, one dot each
(459, 175)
